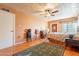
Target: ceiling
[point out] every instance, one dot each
(65, 9)
(32, 7)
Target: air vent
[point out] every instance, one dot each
(5, 9)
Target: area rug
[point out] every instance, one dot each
(43, 49)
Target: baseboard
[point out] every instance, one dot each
(19, 42)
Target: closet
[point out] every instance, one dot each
(7, 30)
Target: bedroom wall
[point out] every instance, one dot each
(29, 21)
(54, 22)
(24, 21)
(18, 16)
(59, 23)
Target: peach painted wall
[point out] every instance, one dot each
(24, 21)
(19, 17)
(12, 10)
(27, 22)
(59, 23)
(54, 22)
(31, 22)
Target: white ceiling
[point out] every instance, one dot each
(32, 7)
(65, 9)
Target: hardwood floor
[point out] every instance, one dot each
(68, 51)
(71, 52)
(12, 50)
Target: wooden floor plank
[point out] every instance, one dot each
(12, 50)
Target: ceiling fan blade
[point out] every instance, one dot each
(55, 11)
(37, 11)
(52, 15)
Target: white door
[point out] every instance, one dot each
(7, 35)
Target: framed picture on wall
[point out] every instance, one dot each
(54, 27)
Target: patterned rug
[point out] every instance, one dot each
(43, 49)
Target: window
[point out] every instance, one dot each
(69, 28)
(77, 28)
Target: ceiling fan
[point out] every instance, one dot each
(47, 12)
(52, 12)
